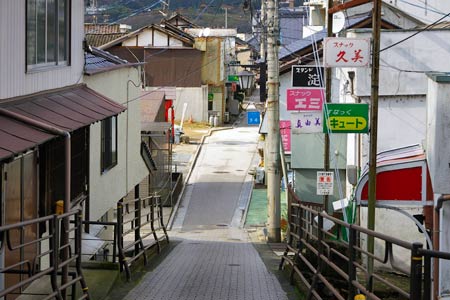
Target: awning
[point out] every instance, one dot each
(67, 109)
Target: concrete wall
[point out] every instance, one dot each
(107, 188)
(197, 103)
(14, 79)
(427, 11)
(438, 156)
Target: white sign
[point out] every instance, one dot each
(325, 182)
(306, 122)
(346, 52)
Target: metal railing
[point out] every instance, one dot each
(110, 243)
(139, 223)
(325, 261)
(38, 268)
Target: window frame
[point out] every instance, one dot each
(56, 57)
(108, 157)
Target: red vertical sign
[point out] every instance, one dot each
(285, 132)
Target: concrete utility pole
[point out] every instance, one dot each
(263, 33)
(273, 136)
(376, 29)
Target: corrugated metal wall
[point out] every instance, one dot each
(14, 80)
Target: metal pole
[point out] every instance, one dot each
(273, 136)
(326, 157)
(376, 24)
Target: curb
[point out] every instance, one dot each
(194, 161)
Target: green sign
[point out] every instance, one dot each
(233, 78)
(210, 96)
(346, 118)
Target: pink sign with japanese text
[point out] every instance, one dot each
(285, 132)
(305, 99)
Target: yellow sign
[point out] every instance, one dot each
(336, 123)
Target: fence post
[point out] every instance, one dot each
(427, 278)
(120, 233)
(137, 219)
(351, 265)
(416, 272)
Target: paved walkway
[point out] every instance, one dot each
(215, 258)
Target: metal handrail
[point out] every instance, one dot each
(142, 217)
(316, 250)
(56, 262)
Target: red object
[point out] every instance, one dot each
(167, 105)
(402, 178)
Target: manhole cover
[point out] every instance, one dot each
(234, 265)
(239, 170)
(222, 225)
(221, 172)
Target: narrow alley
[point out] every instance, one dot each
(214, 257)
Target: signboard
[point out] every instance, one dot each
(305, 99)
(346, 52)
(233, 78)
(346, 118)
(325, 183)
(253, 118)
(306, 122)
(307, 76)
(285, 133)
(210, 96)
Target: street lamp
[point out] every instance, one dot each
(246, 79)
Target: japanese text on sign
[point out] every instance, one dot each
(285, 132)
(307, 76)
(305, 99)
(346, 118)
(346, 52)
(325, 183)
(306, 122)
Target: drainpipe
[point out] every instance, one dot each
(67, 179)
(436, 227)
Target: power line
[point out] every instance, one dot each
(412, 35)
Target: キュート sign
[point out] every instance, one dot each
(346, 118)
(307, 76)
(346, 52)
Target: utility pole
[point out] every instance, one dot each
(273, 136)
(263, 29)
(326, 158)
(376, 29)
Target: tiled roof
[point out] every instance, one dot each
(97, 61)
(101, 28)
(100, 39)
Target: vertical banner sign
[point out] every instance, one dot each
(346, 52)
(306, 122)
(285, 133)
(307, 76)
(325, 183)
(346, 118)
(305, 99)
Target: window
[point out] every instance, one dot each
(47, 33)
(109, 143)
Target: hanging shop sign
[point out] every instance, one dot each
(305, 99)
(253, 118)
(285, 134)
(307, 76)
(346, 118)
(306, 122)
(346, 52)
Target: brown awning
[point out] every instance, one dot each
(67, 109)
